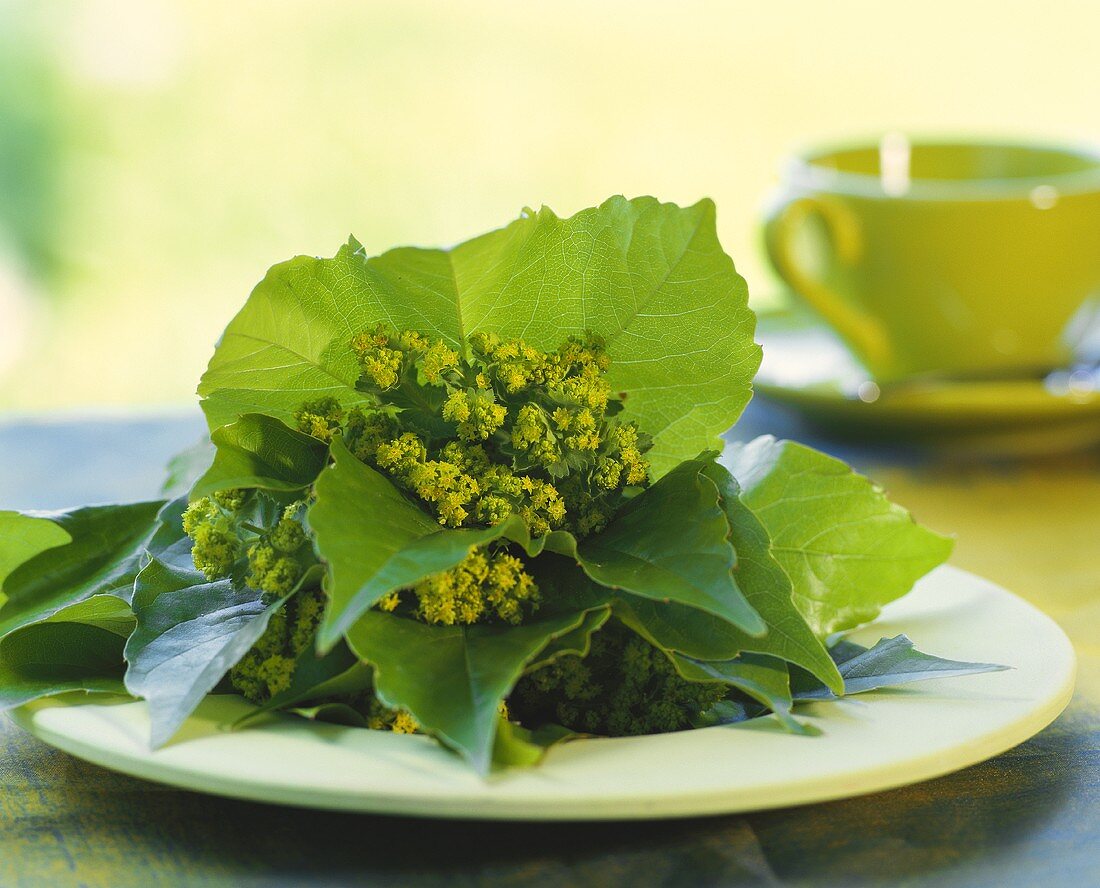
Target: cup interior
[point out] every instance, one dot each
(897, 166)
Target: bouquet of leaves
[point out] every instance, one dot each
(476, 493)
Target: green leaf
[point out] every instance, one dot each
(765, 679)
(261, 451)
(891, 662)
(47, 659)
(102, 611)
(168, 528)
(731, 711)
(765, 586)
(190, 632)
(575, 643)
(565, 589)
(108, 543)
(513, 748)
(676, 627)
(186, 467)
(671, 544)
(647, 276)
(847, 549)
(24, 536)
(768, 589)
(375, 540)
(452, 678)
(338, 673)
(517, 746)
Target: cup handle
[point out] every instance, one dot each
(863, 332)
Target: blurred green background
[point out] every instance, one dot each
(156, 157)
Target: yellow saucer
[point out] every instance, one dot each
(806, 367)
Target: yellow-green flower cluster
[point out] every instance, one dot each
(321, 418)
(276, 558)
(464, 488)
(574, 370)
(441, 484)
(381, 364)
(565, 392)
(508, 429)
(537, 502)
(486, 583)
(475, 413)
(382, 718)
(624, 686)
(215, 544)
(268, 667)
(275, 561)
(389, 359)
(366, 430)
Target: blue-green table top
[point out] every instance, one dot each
(1028, 817)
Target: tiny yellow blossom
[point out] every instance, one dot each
(437, 360)
(231, 500)
(403, 723)
(481, 585)
(321, 419)
(268, 668)
(215, 545)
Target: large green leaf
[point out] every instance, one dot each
(765, 586)
(452, 678)
(671, 544)
(168, 528)
(190, 632)
(108, 543)
(375, 540)
(768, 589)
(847, 549)
(261, 451)
(22, 537)
(46, 659)
(676, 627)
(565, 589)
(647, 276)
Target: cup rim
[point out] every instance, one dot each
(805, 170)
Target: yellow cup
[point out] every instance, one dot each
(944, 257)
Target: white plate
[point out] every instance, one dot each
(869, 743)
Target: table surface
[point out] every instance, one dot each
(1031, 815)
